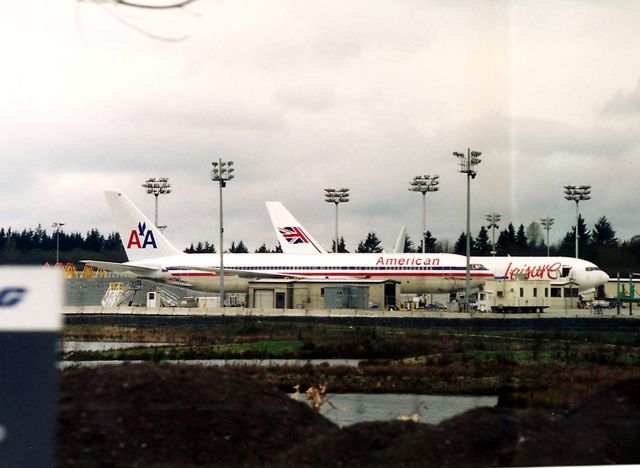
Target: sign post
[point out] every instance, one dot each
(30, 320)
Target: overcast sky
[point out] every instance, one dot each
(304, 95)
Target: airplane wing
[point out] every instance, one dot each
(130, 270)
(239, 273)
(264, 275)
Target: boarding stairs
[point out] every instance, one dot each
(167, 298)
(118, 293)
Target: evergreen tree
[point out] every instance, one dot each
(94, 241)
(603, 234)
(481, 244)
(430, 243)
(409, 247)
(342, 248)
(263, 249)
(239, 248)
(113, 241)
(370, 245)
(567, 245)
(506, 242)
(521, 243)
(460, 247)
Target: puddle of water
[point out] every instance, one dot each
(71, 346)
(353, 408)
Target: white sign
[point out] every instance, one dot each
(30, 299)
(30, 319)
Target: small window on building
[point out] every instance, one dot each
(321, 292)
(546, 292)
(521, 292)
(556, 292)
(535, 292)
(500, 294)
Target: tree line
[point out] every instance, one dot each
(37, 246)
(599, 245)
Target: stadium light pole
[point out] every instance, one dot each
(157, 186)
(423, 184)
(336, 196)
(577, 194)
(546, 224)
(468, 164)
(57, 225)
(222, 173)
(493, 219)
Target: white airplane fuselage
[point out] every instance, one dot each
(559, 270)
(416, 273)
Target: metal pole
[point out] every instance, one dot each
(577, 220)
(221, 244)
(493, 240)
(57, 244)
(156, 195)
(468, 275)
(424, 222)
(548, 228)
(335, 249)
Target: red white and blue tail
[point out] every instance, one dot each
(293, 238)
(140, 237)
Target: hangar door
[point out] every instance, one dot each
(263, 298)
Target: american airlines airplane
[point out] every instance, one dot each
(152, 256)
(558, 270)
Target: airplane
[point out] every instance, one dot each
(558, 270)
(561, 270)
(151, 256)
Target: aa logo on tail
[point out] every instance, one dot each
(142, 237)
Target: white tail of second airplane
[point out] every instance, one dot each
(140, 237)
(293, 238)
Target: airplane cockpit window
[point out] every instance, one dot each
(565, 271)
(592, 268)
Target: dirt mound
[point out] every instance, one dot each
(155, 415)
(168, 416)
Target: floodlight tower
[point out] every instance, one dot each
(336, 196)
(157, 186)
(222, 173)
(493, 219)
(468, 164)
(546, 224)
(423, 184)
(577, 194)
(57, 225)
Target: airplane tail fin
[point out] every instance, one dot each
(293, 238)
(399, 246)
(140, 237)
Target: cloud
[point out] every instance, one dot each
(623, 103)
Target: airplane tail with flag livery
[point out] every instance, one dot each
(293, 238)
(140, 237)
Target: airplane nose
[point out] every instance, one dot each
(604, 277)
